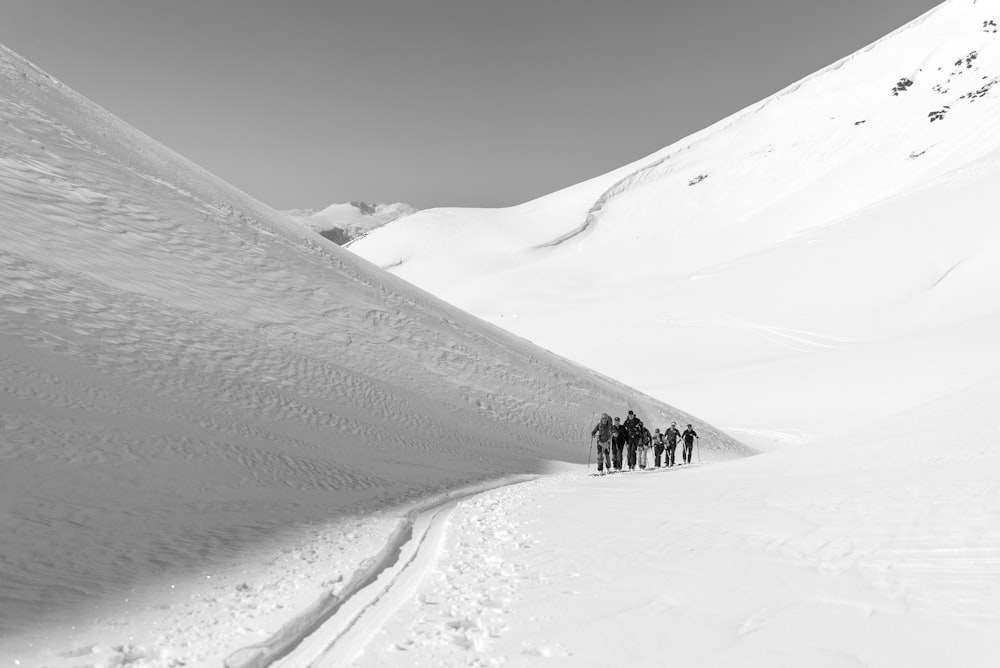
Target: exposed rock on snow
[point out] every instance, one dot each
(342, 223)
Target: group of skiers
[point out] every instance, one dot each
(616, 439)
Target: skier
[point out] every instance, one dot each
(641, 457)
(633, 432)
(657, 447)
(618, 438)
(603, 433)
(671, 435)
(644, 447)
(689, 435)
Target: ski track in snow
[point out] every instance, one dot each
(720, 565)
(211, 421)
(460, 609)
(339, 638)
(659, 167)
(204, 407)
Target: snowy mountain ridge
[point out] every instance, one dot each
(225, 441)
(204, 406)
(342, 223)
(784, 243)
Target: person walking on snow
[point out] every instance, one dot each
(603, 433)
(633, 432)
(670, 436)
(618, 438)
(645, 441)
(689, 435)
(657, 447)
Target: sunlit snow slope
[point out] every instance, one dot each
(186, 374)
(826, 257)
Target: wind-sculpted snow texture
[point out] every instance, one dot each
(197, 398)
(828, 255)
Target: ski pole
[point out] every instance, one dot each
(591, 454)
(697, 443)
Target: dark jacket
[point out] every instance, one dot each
(603, 430)
(632, 426)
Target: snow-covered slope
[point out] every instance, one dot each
(196, 393)
(821, 268)
(823, 258)
(875, 549)
(341, 223)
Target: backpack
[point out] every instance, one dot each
(604, 429)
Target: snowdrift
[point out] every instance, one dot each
(192, 387)
(823, 258)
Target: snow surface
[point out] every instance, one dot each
(818, 260)
(222, 436)
(211, 420)
(819, 271)
(342, 223)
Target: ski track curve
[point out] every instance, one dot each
(336, 629)
(659, 165)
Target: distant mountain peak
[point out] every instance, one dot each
(342, 223)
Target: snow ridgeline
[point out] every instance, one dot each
(827, 255)
(343, 223)
(205, 407)
(820, 271)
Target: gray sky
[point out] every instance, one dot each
(432, 102)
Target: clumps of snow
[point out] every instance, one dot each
(461, 611)
(137, 656)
